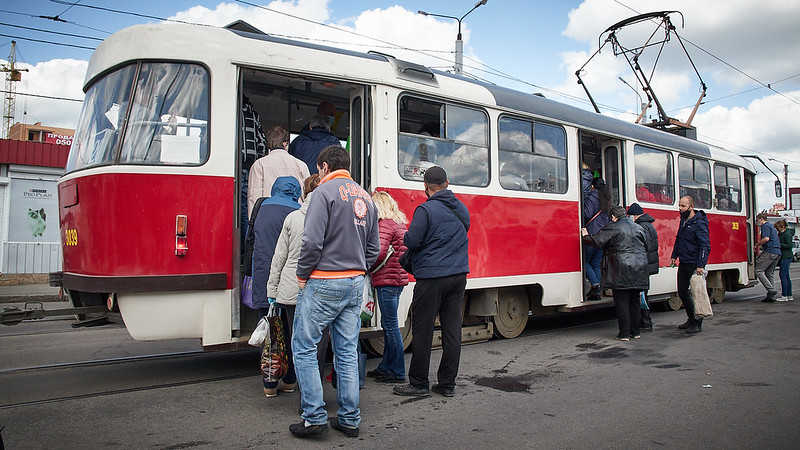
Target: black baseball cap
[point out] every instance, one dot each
(435, 175)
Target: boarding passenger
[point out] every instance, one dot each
(691, 249)
(769, 256)
(625, 247)
(437, 240)
(315, 137)
(594, 219)
(340, 243)
(388, 281)
(785, 235)
(645, 221)
(278, 163)
(282, 286)
(254, 146)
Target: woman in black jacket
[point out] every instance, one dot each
(625, 267)
(645, 221)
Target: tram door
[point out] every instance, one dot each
(749, 207)
(359, 139)
(612, 162)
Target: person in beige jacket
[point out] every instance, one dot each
(277, 163)
(282, 284)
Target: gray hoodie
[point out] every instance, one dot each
(340, 238)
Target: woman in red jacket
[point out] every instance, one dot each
(388, 282)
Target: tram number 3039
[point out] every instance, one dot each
(70, 237)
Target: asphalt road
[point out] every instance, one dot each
(566, 383)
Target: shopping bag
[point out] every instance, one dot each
(260, 334)
(247, 292)
(702, 304)
(643, 302)
(368, 300)
(274, 357)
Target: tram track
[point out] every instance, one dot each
(100, 362)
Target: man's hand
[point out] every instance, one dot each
(672, 262)
(584, 232)
(301, 283)
(699, 270)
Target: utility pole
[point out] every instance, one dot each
(785, 180)
(13, 75)
(459, 64)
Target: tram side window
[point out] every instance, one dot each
(727, 188)
(533, 156)
(654, 178)
(168, 121)
(695, 180)
(100, 124)
(435, 133)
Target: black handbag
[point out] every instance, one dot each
(405, 262)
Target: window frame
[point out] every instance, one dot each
(694, 179)
(533, 121)
(445, 103)
(714, 185)
(672, 172)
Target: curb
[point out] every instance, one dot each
(29, 298)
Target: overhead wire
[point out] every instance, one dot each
(738, 93)
(43, 96)
(80, 36)
(53, 18)
(46, 42)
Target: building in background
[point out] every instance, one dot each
(40, 133)
(30, 240)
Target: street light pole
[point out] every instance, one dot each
(785, 180)
(459, 63)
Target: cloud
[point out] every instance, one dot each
(39, 80)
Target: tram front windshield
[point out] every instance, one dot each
(144, 113)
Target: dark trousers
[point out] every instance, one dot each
(629, 312)
(685, 272)
(443, 296)
(647, 321)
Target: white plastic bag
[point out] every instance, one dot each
(260, 334)
(702, 304)
(368, 300)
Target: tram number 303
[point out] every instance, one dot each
(70, 237)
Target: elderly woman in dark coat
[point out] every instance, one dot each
(625, 271)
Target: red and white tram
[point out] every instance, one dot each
(149, 205)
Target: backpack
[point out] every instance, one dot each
(250, 239)
(603, 194)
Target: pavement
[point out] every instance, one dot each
(28, 293)
(565, 383)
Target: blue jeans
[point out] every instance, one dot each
(392, 363)
(335, 303)
(593, 257)
(786, 280)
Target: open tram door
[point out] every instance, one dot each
(752, 229)
(358, 143)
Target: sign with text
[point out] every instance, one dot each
(60, 139)
(794, 198)
(33, 211)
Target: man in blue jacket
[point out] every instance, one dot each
(691, 249)
(594, 219)
(316, 137)
(769, 257)
(340, 242)
(437, 238)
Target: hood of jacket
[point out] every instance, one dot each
(449, 199)
(306, 202)
(645, 218)
(285, 191)
(699, 217)
(317, 134)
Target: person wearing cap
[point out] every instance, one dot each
(315, 137)
(437, 240)
(645, 221)
(624, 245)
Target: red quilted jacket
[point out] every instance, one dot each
(391, 274)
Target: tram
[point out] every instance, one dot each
(149, 204)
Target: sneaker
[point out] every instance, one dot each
(270, 392)
(623, 339)
(409, 390)
(447, 391)
(693, 328)
(390, 379)
(638, 336)
(287, 387)
(684, 325)
(347, 431)
(302, 431)
(377, 373)
(782, 299)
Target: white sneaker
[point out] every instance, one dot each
(782, 299)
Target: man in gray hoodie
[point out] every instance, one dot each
(340, 243)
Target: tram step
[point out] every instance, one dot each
(471, 333)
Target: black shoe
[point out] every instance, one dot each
(390, 379)
(694, 327)
(447, 391)
(376, 373)
(699, 324)
(685, 325)
(347, 431)
(302, 431)
(594, 294)
(409, 390)
(648, 328)
(768, 300)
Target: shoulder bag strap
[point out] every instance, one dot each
(389, 253)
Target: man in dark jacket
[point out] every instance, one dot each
(312, 140)
(437, 237)
(624, 244)
(266, 229)
(594, 219)
(645, 221)
(768, 258)
(691, 249)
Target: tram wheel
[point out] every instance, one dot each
(512, 313)
(674, 303)
(717, 295)
(377, 344)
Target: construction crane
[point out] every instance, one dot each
(13, 75)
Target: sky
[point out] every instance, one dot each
(738, 47)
